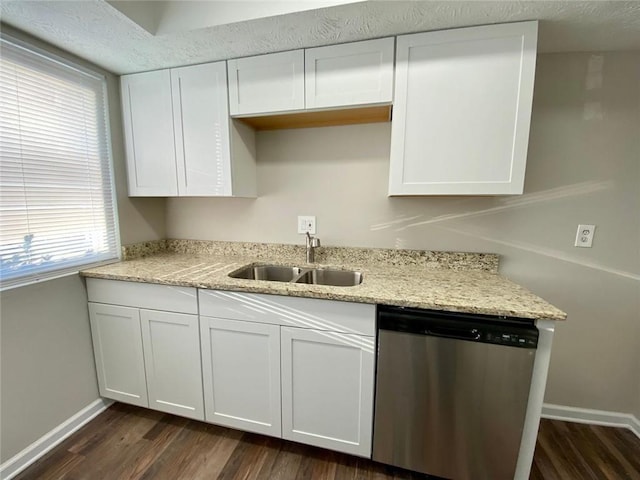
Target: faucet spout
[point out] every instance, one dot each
(312, 244)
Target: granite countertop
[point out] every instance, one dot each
(459, 282)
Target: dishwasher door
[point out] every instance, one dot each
(452, 407)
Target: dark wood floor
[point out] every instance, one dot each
(568, 450)
(133, 443)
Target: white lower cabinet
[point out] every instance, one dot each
(172, 361)
(117, 346)
(241, 367)
(297, 368)
(144, 356)
(302, 363)
(327, 389)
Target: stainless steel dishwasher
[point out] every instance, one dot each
(452, 392)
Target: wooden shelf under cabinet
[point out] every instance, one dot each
(321, 118)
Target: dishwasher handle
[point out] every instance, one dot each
(456, 333)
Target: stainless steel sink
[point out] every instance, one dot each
(311, 276)
(336, 278)
(273, 273)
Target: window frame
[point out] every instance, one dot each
(38, 277)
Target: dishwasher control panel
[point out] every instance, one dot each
(512, 339)
(505, 331)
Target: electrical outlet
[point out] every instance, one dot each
(307, 223)
(584, 235)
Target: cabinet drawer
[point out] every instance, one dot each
(289, 311)
(143, 295)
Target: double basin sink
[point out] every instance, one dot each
(310, 276)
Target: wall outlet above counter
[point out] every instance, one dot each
(307, 224)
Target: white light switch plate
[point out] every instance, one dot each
(584, 235)
(307, 223)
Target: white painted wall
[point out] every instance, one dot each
(584, 167)
(47, 367)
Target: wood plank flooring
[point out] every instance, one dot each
(568, 450)
(127, 442)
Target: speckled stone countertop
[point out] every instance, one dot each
(462, 282)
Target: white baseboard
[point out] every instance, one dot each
(40, 447)
(592, 417)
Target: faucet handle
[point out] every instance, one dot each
(315, 242)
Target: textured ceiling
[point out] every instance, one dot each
(94, 30)
(171, 16)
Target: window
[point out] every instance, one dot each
(57, 203)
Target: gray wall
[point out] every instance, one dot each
(583, 167)
(47, 368)
(48, 373)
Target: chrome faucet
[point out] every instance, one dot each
(312, 243)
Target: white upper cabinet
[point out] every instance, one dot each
(266, 83)
(462, 110)
(179, 136)
(351, 74)
(201, 126)
(148, 128)
(336, 76)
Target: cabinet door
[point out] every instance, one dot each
(241, 366)
(462, 110)
(172, 360)
(266, 83)
(350, 74)
(201, 120)
(327, 389)
(148, 131)
(117, 346)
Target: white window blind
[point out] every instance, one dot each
(57, 205)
